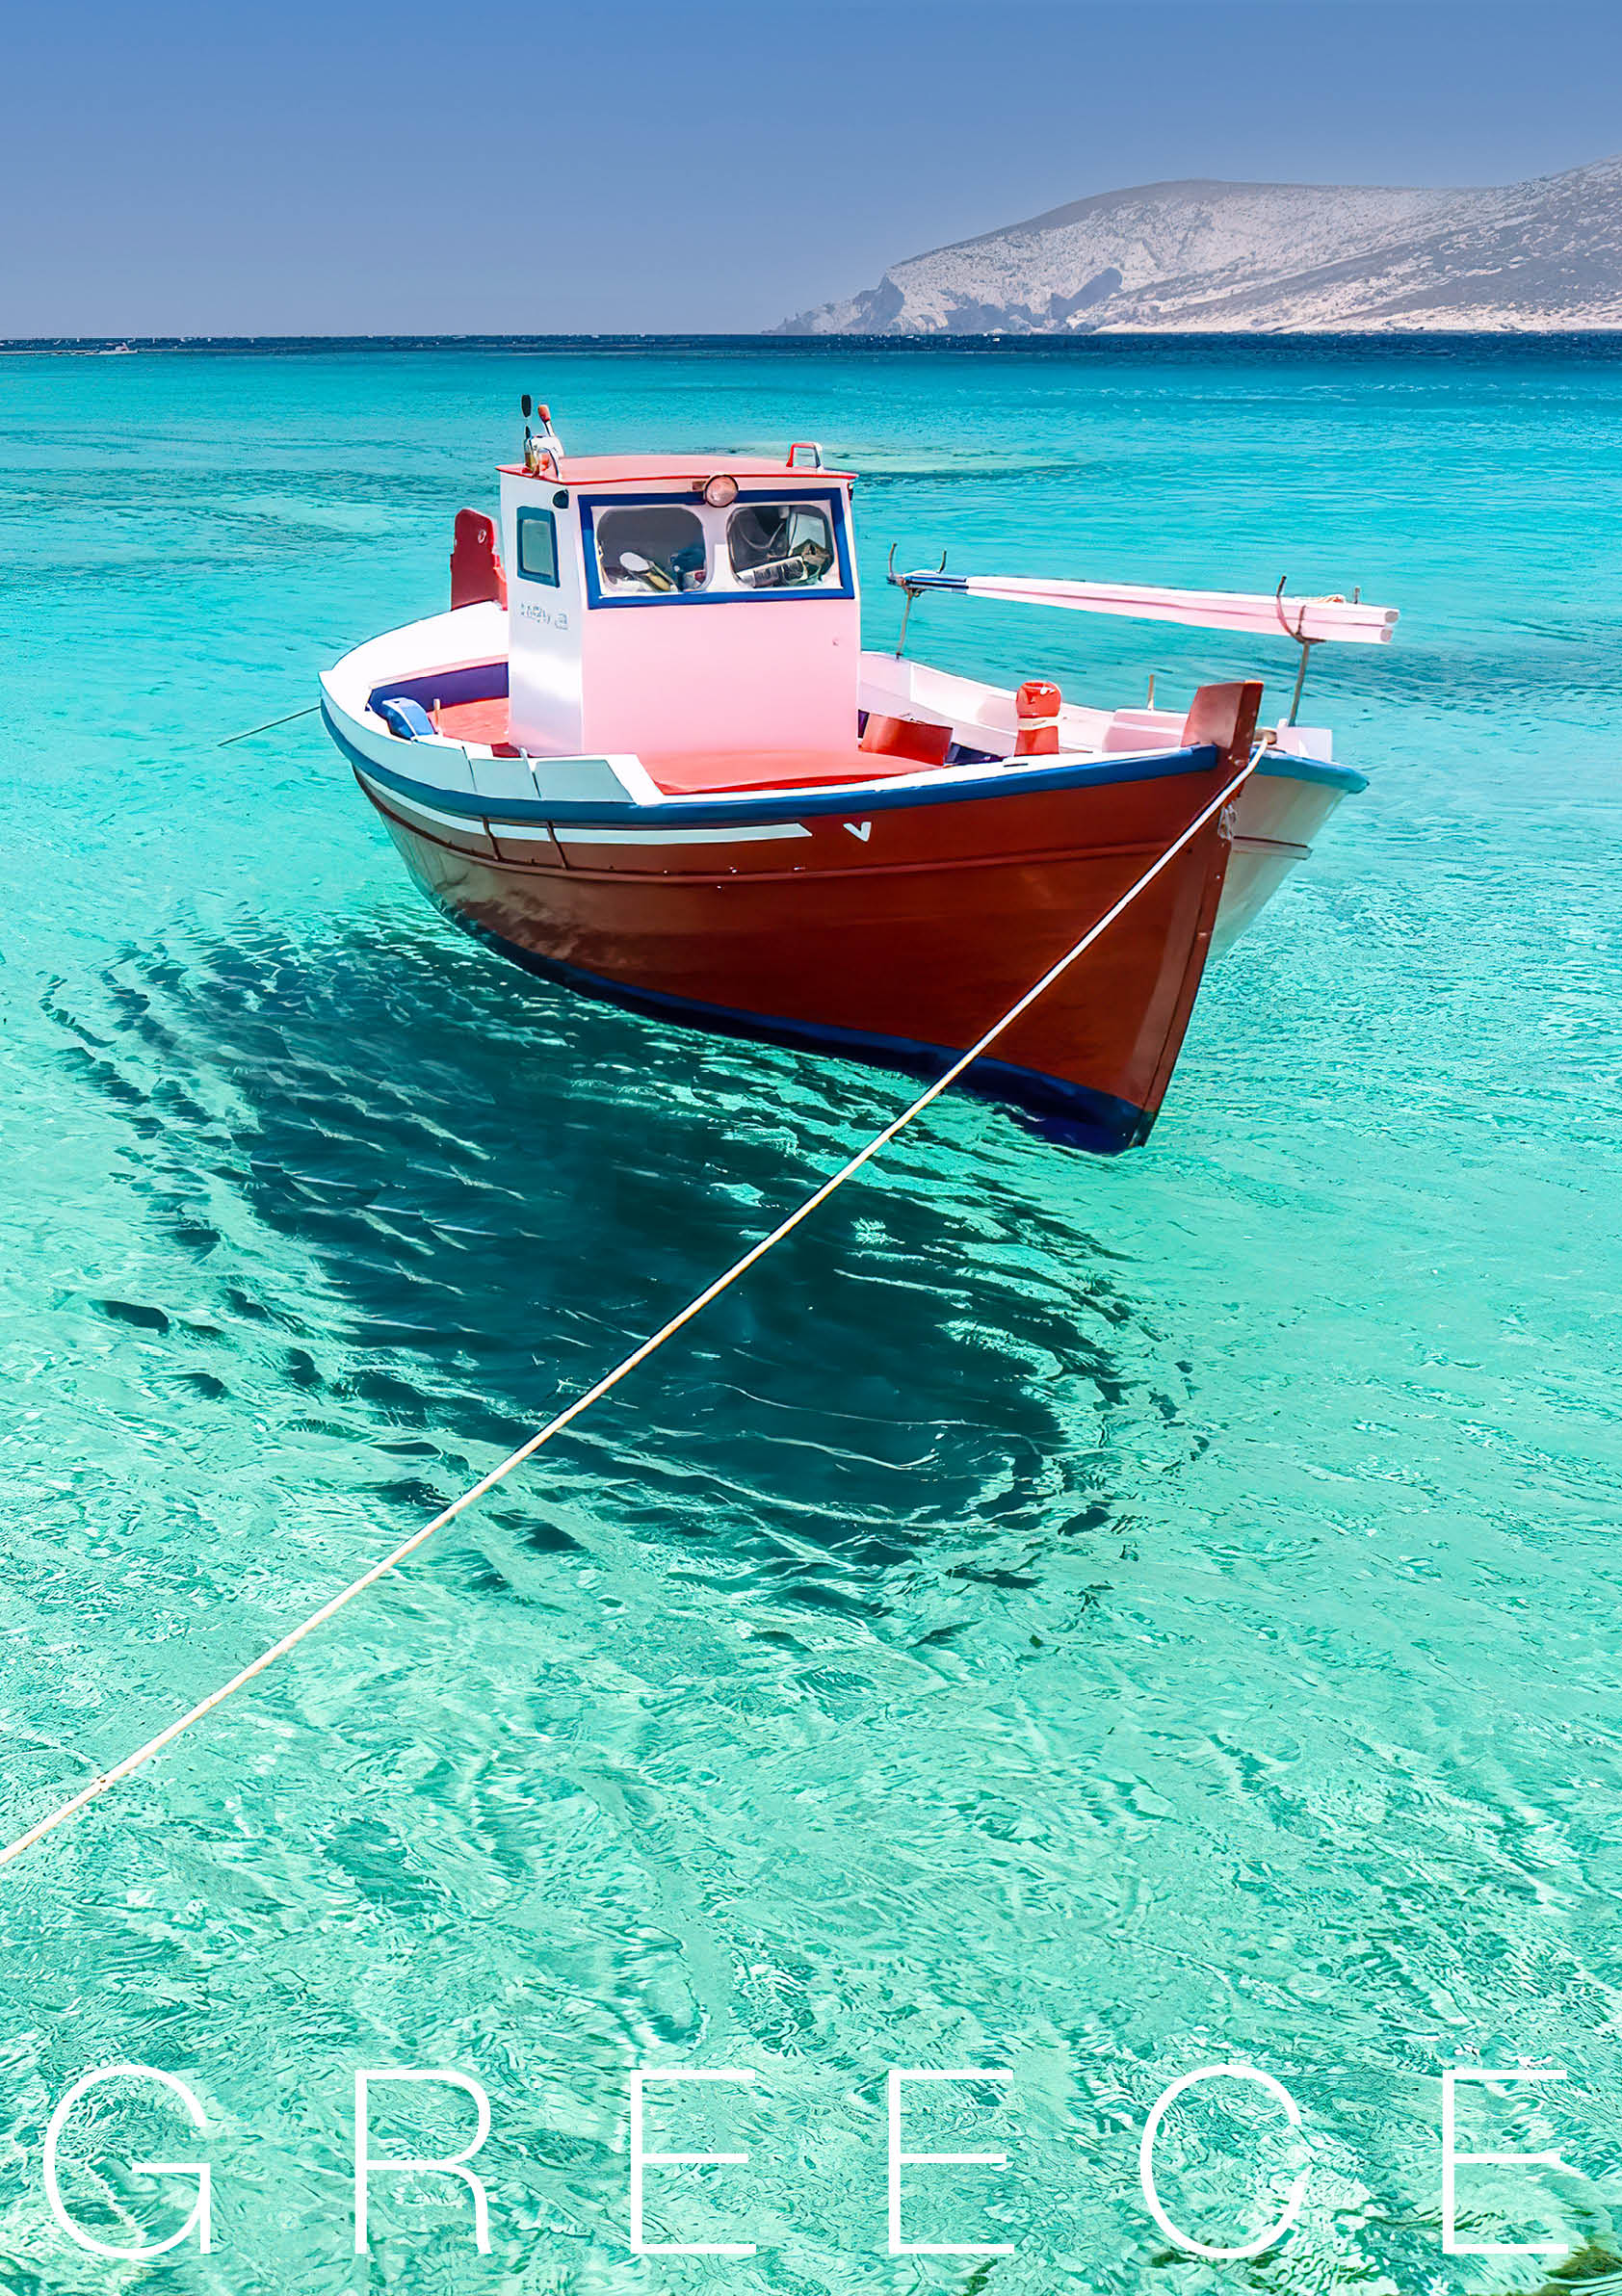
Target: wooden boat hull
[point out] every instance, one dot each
(894, 932)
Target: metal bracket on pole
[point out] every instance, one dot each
(1307, 644)
(900, 583)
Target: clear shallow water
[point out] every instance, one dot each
(1100, 1619)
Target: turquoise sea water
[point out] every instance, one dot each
(1092, 1619)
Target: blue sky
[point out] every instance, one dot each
(340, 167)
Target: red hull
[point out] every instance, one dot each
(899, 935)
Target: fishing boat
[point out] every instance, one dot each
(645, 754)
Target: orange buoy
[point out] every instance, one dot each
(1037, 705)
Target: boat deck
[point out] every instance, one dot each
(692, 774)
(477, 722)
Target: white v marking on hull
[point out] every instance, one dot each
(861, 829)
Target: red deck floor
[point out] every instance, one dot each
(690, 776)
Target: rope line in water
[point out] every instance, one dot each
(269, 726)
(106, 1779)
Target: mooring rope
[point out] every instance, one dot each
(104, 1779)
(269, 726)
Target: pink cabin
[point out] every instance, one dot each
(700, 614)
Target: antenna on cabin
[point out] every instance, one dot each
(527, 404)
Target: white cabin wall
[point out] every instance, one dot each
(544, 626)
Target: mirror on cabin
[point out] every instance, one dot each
(644, 547)
(780, 545)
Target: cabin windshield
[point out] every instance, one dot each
(661, 548)
(647, 547)
(780, 545)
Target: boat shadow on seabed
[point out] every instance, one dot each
(503, 1185)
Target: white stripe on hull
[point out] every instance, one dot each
(741, 833)
(424, 816)
(467, 827)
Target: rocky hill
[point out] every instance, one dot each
(1543, 255)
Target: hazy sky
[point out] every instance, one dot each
(340, 167)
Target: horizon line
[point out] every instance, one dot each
(776, 338)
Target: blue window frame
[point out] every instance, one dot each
(538, 547)
(829, 500)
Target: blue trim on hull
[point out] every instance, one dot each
(487, 681)
(1278, 765)
(1065, 1112)
(770, 805)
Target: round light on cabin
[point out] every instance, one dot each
(721, 492)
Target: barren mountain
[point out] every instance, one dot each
(1544, 255)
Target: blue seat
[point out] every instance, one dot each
(403, 715)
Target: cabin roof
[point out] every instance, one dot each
(598, 470)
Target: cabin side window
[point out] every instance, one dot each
(781, 546)
(647, 548)
(537, 546)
